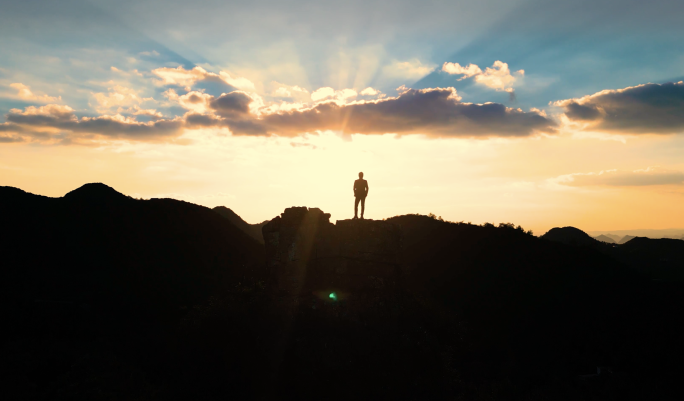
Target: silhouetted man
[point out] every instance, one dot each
(360, 193)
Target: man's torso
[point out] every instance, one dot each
(360, 186)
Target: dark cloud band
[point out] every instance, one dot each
(649, 108)
(33, 121)
(433, 112)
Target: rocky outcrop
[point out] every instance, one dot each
(307, 253)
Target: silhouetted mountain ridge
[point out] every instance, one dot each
(98, 246)
(253, 230)
(569, 235)
(95, 192)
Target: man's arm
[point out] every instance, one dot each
(366, 187)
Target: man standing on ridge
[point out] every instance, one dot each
(360, 193)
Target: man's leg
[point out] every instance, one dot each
(363, 206)
(356, 207)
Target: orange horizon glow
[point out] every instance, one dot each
(478, 181)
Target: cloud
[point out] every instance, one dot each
(288, 91)
(282, 92)
(8, 133)
(330, 93)
(116, 97)
(126, 73)
(10, 138)
(322, 93)
(237, 82)
(647, 108)
(8, 127)
(194, 100)
(369, 92)
(137, 111)
(282, 107)
(435, 112)
(497, 77)
(231, 104)
(457, 69)
(406, 70)
(53, 121)
(26, 94)
(187, 78)
(617, 178)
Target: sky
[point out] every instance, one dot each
(539, 113)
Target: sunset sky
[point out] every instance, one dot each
(539, 113)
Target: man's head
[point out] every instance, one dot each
(360, 175)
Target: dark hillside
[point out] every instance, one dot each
(108, 297)
(570, 236)
(528, 307)
(97, 246)
(661, 258)
(658, 258)
(95, 287)
(626, 239)
(253, 230)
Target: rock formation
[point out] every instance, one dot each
(307, 254)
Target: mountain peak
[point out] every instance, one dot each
(253, 230)
(606, 239)
(96, 191)
(569, 235)
(227, 213)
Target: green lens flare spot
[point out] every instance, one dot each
(333, 296)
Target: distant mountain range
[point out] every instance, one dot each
(617, 235)
(614, 239)
(605, 238)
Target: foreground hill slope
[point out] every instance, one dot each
(96, 246)
(661, 258)
(107, 297)
(527, 304)
(490, 304)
